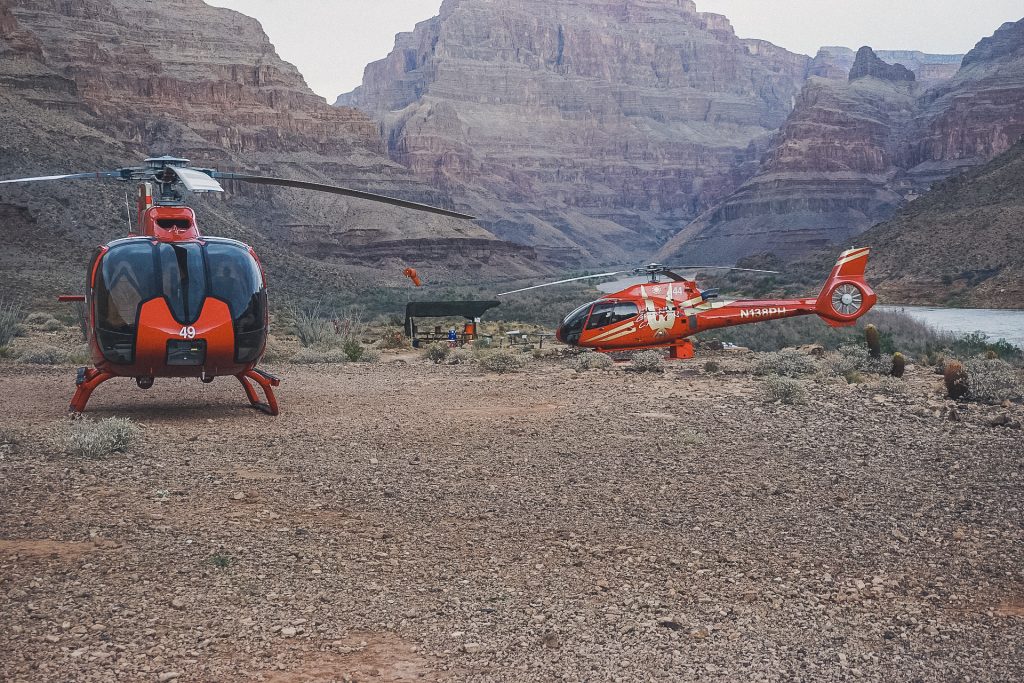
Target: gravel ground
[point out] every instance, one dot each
(410, 522)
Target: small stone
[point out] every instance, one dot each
(168, 676)
(1000, 420)
(239, 496)
(53, 639)
(289, 631)
(472, 648)
(374, 461)
(177, 603)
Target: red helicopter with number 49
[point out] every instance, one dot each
(167, 301)
(657, 314)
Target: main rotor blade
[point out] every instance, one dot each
(562, 282)
(749, 270)
(69, 176)
(333, 189)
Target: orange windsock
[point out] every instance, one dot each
(412, 275)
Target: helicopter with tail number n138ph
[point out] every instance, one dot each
(658, 314)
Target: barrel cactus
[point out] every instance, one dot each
(955, 376)
(899, 365)
(874, 340)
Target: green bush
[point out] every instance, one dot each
(312, 329)
(88, 439)
(353, 350)
(977, 344)
(310, 356)
(785, 363)
(892, 386)
(369, 356)
(854, 358)
(593, 360)
(648, 361)
(503, 361)
(783, 389)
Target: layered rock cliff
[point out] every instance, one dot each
(853, 152)
(835, 62)
(101, 83)
(590, 128)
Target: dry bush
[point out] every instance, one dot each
(369, 356)
(88, 439)
(783, 389)
(44, 354)
(850, 359)
(502, 361)
(892, 386)
(437, 352)
(393, 339)
(648, 361)
(38, 318)
(785, 363)
(11, 319)
(711, 367)
(593, 360)
(312, 329)
(992, 380)
(461, 357)
(276, 351)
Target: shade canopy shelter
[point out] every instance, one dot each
(471, 310)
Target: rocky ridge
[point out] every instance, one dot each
(123, 79)
(594, 126)
(853, 152)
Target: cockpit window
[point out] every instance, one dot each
(183, 279)
(611, 312)
(572, 325)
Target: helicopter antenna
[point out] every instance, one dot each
(128, 209)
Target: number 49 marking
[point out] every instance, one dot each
(187, 332)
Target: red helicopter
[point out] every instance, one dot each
(170, 302)
(658, 314)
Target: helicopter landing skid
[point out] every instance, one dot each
(267, 382)
(681, 350)
(87, 381)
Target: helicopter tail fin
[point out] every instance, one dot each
(846, 296)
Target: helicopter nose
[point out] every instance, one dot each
(559, 335)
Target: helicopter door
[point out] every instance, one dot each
(607, 313)
(124, 281)
(235, 279)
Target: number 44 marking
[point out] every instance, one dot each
(187, 332)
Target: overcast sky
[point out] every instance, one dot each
(330, 41)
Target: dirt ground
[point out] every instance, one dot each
(403, 521)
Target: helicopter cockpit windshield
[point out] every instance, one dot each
(185, 274)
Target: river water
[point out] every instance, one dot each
(996, 323)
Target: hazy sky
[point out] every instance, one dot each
(330, 41)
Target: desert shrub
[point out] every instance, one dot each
(482, 343)
(369, 356)
(978, 344)
(312, 329)
(38, 318)
(592, 360)
(648, 361)
(461, 357)
(892, 386)
(783, 389)
(353, 350)
(502, 361)
(856, 358)
(393, 339)
(712, 367)
(785, 363)
(44, 354)
(11, 318)
(52, 325)
(992, 380)
(309, 356)
(88, 439)
(437, 352)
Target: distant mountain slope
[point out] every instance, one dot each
(962, 243)
(88, 84)
(852, 153)
(590, 129)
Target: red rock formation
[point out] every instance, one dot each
(185, 78)
(867, 64)
(599, 124)
(835, 63)
(852, 153)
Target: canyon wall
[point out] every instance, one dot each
(588, 128)
(853, 152)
